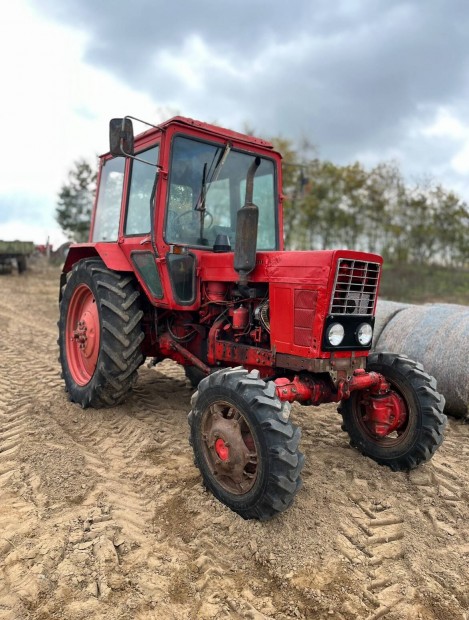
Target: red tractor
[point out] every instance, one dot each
(186, 261)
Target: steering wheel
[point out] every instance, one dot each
(207, 226)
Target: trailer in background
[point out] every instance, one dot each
(15, 252)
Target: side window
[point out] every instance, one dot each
(137, 221)
(106, 222)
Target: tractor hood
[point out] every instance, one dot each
(310, 267)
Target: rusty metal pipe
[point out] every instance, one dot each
(312, 391)
(194, 360)
(306, 390)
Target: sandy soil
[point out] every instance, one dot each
(103, 514)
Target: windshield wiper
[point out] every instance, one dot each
(206, 184)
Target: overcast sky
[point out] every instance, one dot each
(371, 80)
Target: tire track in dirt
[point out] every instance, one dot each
(210, 560)
(24, 384)
(41, 379)
(172, 459)
(441, 489)
(19, 505)
(377, 534)
(106, 516)
(394, 524)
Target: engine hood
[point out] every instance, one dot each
(312, 267)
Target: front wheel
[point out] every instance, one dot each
(244, 443)
(421, 427)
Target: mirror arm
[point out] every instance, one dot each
(134, 118)
(122, 137)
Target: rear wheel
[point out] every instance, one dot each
(99, 334)
(421, 419)
(244, 443)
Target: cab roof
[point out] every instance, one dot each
(215, 129)
(207, 128)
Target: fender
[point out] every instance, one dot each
(110, 253)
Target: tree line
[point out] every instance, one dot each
(332, 206)
(329, 206)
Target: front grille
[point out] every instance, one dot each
(355, 287)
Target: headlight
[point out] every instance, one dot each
(364, 334)
(335, 334)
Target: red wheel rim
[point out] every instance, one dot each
(222, 450)
(82, 335)
(397, 436)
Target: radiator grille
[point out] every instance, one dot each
(305, 307)
(355, 287)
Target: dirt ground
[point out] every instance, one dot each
(103, 514)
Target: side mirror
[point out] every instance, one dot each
(121, 137)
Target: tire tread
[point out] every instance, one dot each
(430, 433)
(282, 438)
(121, 334)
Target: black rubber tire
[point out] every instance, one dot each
(276, 438)
(424, 431)
(22, 263)
(121, 334)
(194, 375)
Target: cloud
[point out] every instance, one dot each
(54, 109)
(368, 80)
(353, 77)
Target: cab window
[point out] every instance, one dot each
(142, 180)
(214, 176)
(108, 206)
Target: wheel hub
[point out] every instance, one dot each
(85, 333)
(385, 414)
(222, 449)
(83, 339)
(229, 448)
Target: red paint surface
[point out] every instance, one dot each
(221, 328)
(82, 335)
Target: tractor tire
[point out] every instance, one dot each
(244, 444)
(194, 375)
(100, 334)
(422, 433)
(22, 264)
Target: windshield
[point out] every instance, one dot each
(213, 177)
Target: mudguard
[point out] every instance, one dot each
(110, 253)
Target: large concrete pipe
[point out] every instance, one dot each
(437, 335)
(385, 311)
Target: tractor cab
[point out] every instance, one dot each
(174, 193)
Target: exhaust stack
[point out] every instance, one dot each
(246, 229)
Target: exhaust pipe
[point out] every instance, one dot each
(247, 221)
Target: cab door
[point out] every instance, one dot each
(135, 238)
